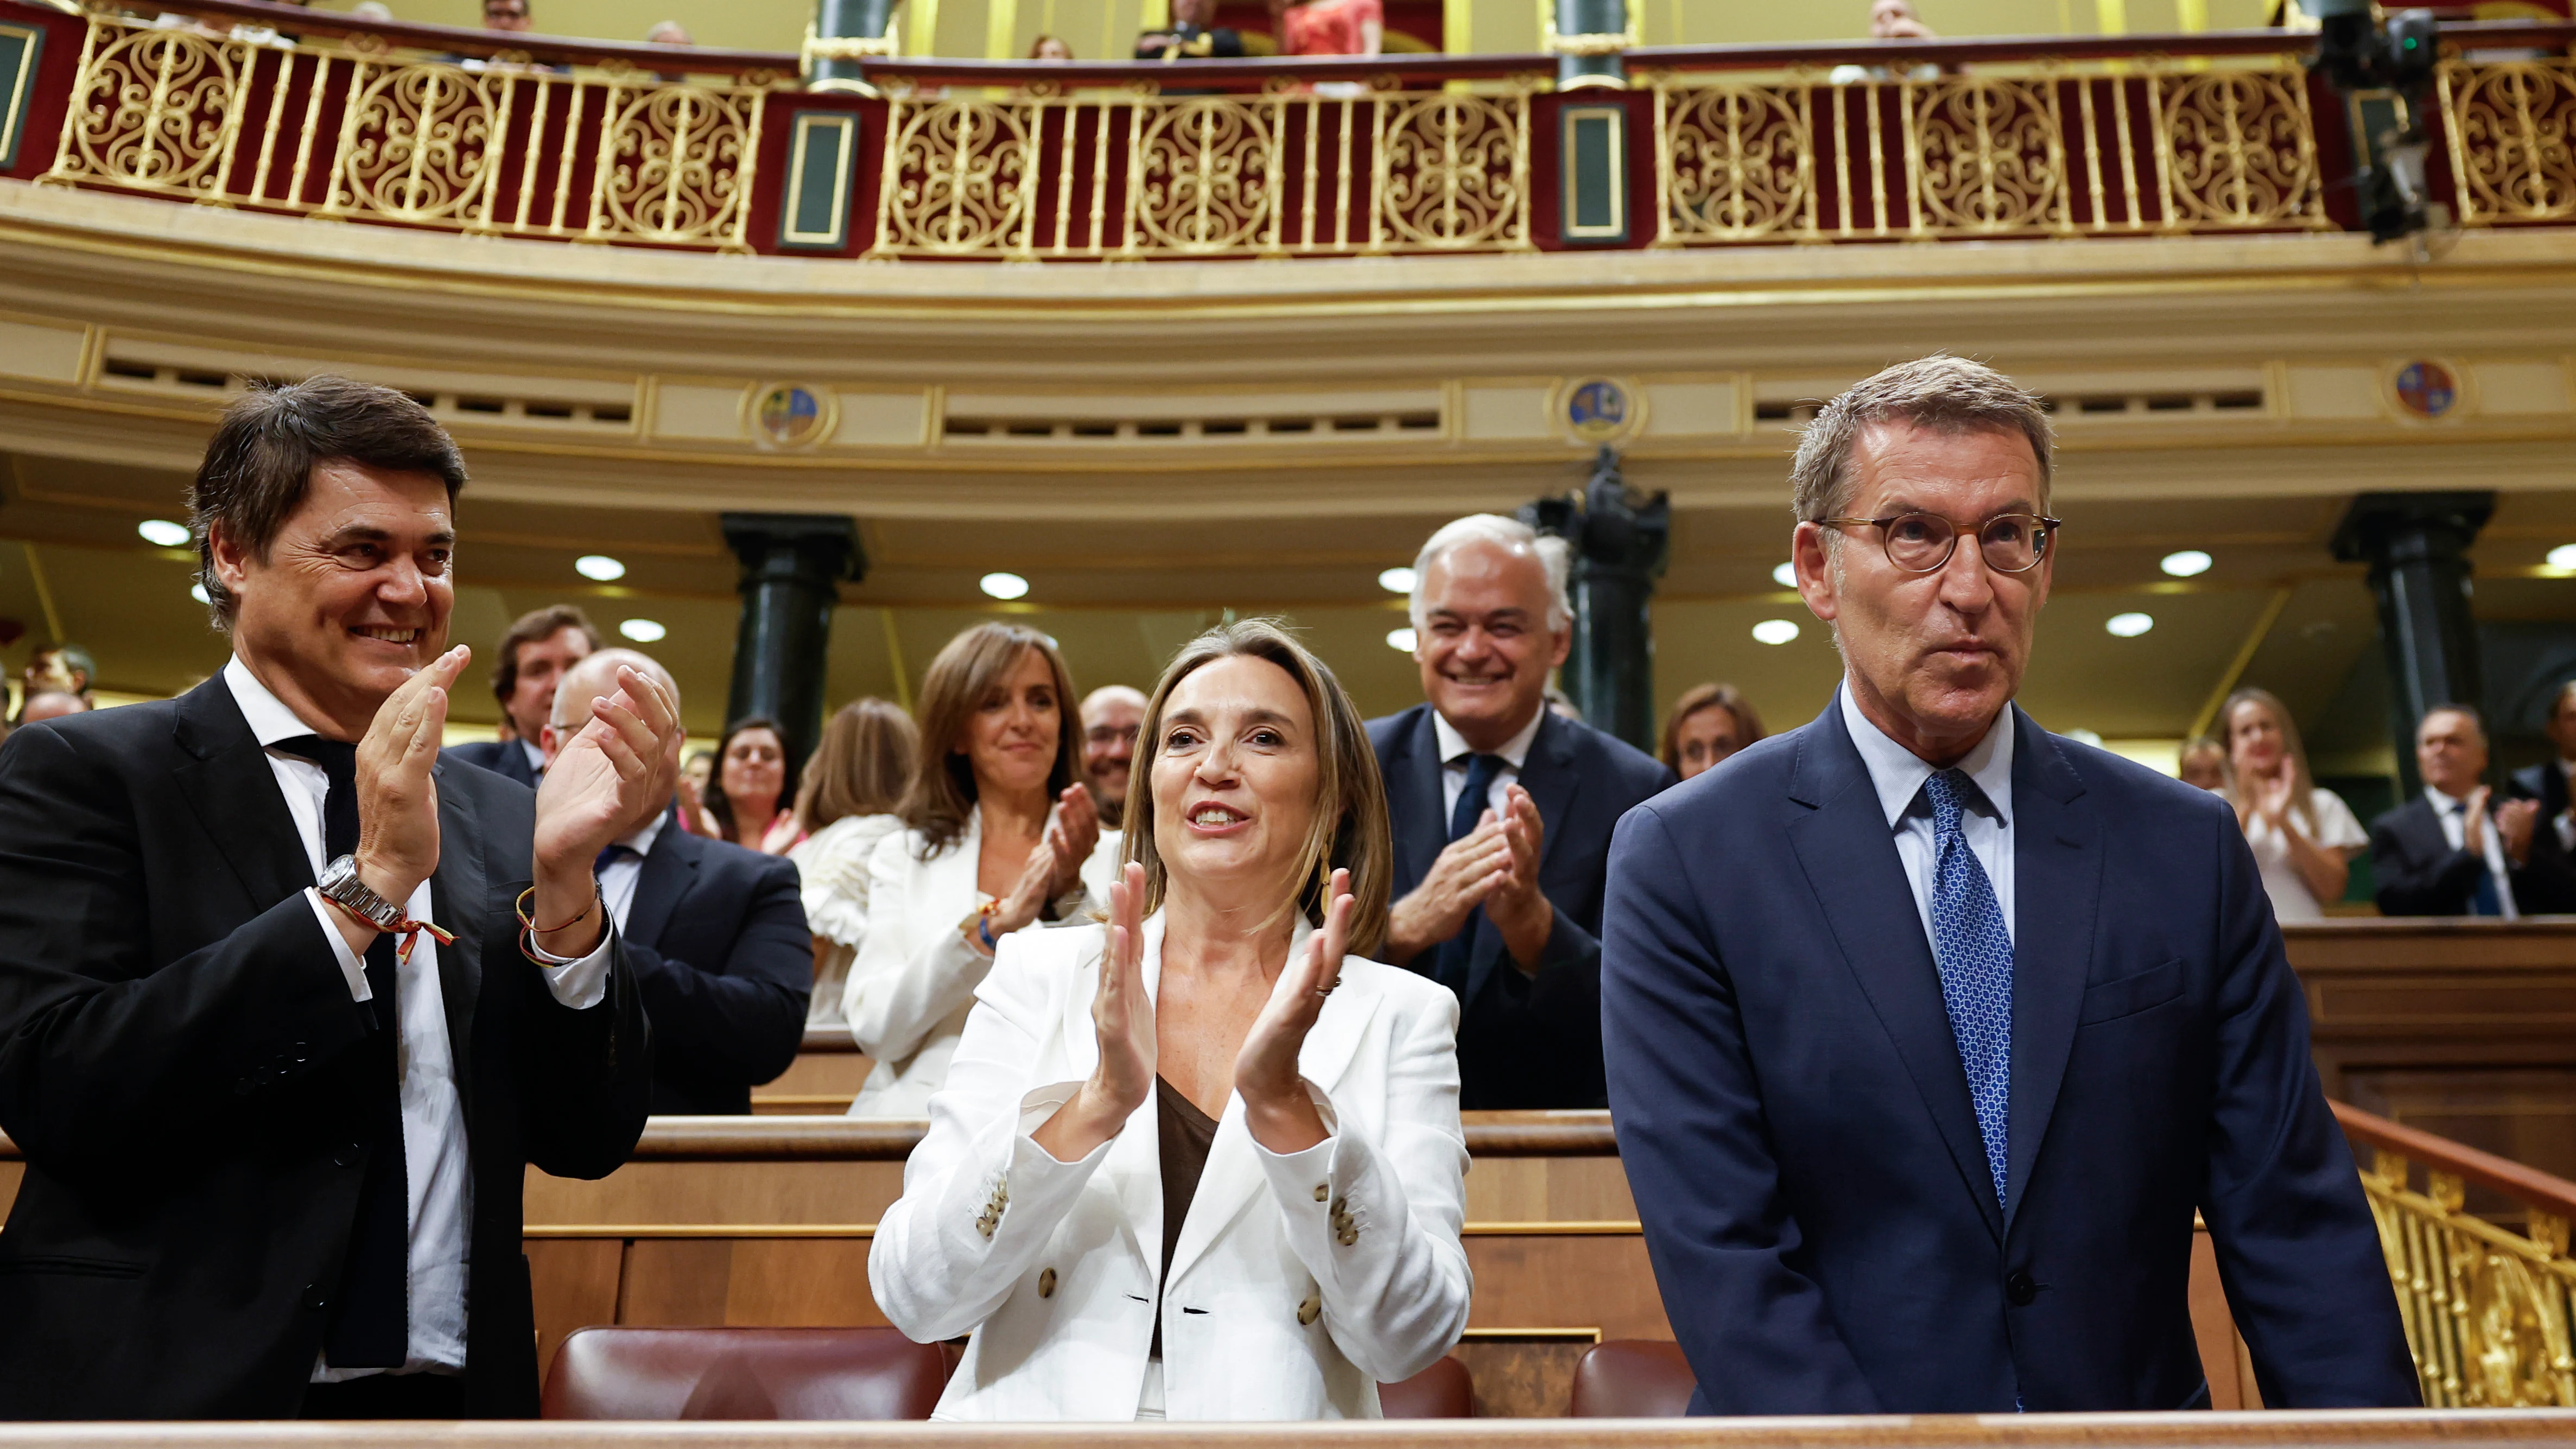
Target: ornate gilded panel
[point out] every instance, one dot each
(2238, 150)
(418, 146)
(2512, 126)
(1208, 171)
(1738, 162)
(2486, 1310)
(675, 164)
(959, 178)
(1452, 173)
(1989, 156)
(153, 109)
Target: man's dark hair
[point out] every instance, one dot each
(77, 660)
(272, 438)
(534, 628)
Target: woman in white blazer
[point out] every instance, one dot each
(999, 836)
(1052, 1211)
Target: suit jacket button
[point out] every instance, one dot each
(314, 1301)
(2019, 1288)
(1046, 1284)
(347, 1154)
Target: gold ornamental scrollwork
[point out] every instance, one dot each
(1205, 166)
(153, 110)
(2241, 150)
(2486, 1310)
(676, 164)
(1453, 172)
(1989, 156)
(957, 178)
(419, 146)
(1738, 162)
(2512, 129)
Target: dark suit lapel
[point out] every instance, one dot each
(225, 777)
(1413, 790)
(2057, 891)
(1850, 859)
(1548, 774)
(668, 873)
(460, 901)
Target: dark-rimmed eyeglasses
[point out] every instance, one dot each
(1921, 543)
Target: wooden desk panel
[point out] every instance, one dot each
(827, 1073)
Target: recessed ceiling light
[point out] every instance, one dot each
(1400, 639)
(197, 592)
(2563, 557)
(1774, 631)
(1786, 575)
(2185, 564)
(599, 566)
(162, 533)
(2129, 626)
(643, 631)
(1004, 586)
(1395, 580)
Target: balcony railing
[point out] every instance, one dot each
(428, 126)
(2488, 1309)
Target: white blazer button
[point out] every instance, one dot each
(1322, 1192)
(1046, 1284)
(1311, 1309)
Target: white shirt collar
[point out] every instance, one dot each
(1898, 773)
(536, 756)
(2444, 804)
(1454, 746)
(267, 715)
(641, 841)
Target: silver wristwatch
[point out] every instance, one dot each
(341, 886)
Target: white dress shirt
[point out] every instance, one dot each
(536, 757)
(2490, 844)
(1455, 752)
(617, 882)
(438, 1173)
(2565, 823)
(1898, 775)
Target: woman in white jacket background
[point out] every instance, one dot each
(999, 836)
(1053, 1210)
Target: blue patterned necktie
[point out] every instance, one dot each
(1974, 954)
(1449, 962)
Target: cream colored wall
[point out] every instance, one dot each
(1107, 28)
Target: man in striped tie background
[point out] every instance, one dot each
(1927, 1031)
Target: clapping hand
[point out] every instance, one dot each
(397, 799)
(1122, 1015)
(610, 778)
(2515, 820)
(1471, 868)
(1276, 1107)
(1517, 907)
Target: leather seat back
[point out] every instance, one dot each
(1633, 1378)
(744, 1373)
(1442, 1391)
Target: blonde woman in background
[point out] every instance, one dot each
(1210, 1153)
(1708, 723)
(999, 836)
(2304, 838)
(851, 789)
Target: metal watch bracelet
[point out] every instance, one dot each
(340, 886)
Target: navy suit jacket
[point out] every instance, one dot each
(719, 943)
(2551, 889)
(1798, 1132)
(501, 757)
(1525, 1040)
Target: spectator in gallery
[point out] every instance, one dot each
(2202, 764)
(697, 774)
(668, 32)
(507, 15)
(2552, 890)
(1214, 1098)
(1708, 723)
(1329, 27)
(999, 836)
(1502, 812)
(852, 787)
(751, 797)
(715, 933)
(371, 10)
(1050, 48)
(1190, 36)
(1889, 20)
(2304, 838)
(2454, 850)
(51, 704)
(1110, 715)
(63, 669)
(530, 661)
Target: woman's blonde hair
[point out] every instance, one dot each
(972, 668)
(1748, 725)
(864, 765)
(1349, 828)
(2303, 786)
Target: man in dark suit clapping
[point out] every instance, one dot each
(2456, 850)
(1929, 1030)
(2552, 890)
(288, 1006)
(716, 933)
(1502, 812)
(531, 661)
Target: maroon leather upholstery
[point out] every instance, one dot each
(1633, 1378)
(744, 1373)
(1442, 1391)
